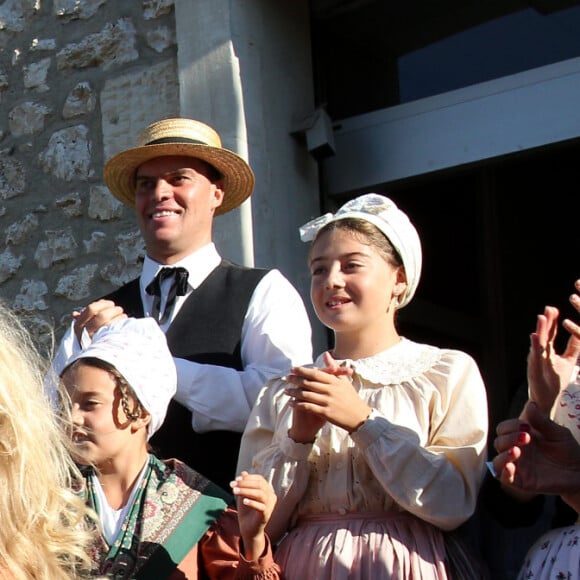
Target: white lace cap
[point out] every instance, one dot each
(394, 223)
(138, 349)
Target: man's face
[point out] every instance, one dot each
(175, 202)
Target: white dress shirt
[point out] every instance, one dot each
(276, 335)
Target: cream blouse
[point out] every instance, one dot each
(422, 449)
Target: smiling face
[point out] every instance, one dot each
(103, 435)
(352, 286)
(175, 200)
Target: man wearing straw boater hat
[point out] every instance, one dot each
(229, 328)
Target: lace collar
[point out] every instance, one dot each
(402, 362)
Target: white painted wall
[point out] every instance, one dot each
(245, 68)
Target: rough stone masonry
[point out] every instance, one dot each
(77, 81)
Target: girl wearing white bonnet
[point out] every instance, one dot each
(378, 450)
(158, 519)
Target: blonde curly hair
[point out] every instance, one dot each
(44, 533)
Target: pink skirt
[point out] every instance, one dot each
(363, 546)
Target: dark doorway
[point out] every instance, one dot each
(500, 241)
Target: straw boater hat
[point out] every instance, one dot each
(183, 137)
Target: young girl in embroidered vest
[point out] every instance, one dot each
(380, 447)
(159, 519)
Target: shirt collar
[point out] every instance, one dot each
(199, 264)
(402, 362)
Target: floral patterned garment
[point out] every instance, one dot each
(556, 554)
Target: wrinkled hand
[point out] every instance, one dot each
(95, 315)
(321, 395)
(539, 456)
(548, 372)
(256, 501)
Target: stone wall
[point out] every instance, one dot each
(78, 80)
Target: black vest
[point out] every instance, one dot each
(207, 329)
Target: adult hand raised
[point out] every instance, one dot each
(94, 316)
(549, 372)
(539, 456)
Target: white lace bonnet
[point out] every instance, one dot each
(385, 215)
(138, 349)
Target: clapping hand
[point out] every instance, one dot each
(548, 372)
(537, 456)
(321, 395)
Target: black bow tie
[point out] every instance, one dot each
(178, 288)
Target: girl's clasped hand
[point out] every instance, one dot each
(321, 395)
